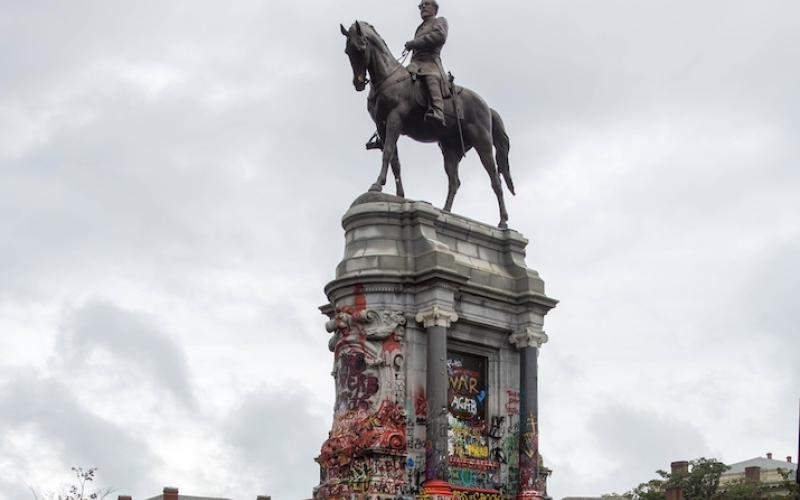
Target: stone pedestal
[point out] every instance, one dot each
(436, 325)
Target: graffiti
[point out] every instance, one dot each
(471, 478)
(509, 448)
(466, 386)
(463, 381)
(512, 402)
(366, 450)
(476, 495)
(383, 431)
(529, 456)
(383, 475)
(355, 385)
(530, 438)
(498, 455)
(467, 440)
(453, 363)
(461, 404)
(473, 463)
(497, 429)
(399, 387)
(421, 404)
(435, 454)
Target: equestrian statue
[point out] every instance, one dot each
(421, 102)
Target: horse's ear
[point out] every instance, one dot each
(344, 31)
(358, 29)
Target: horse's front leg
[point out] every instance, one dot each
(398, 183)
(452, 156)
(393, 123)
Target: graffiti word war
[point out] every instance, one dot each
(356, 384)
(463, 381)
(465, 393)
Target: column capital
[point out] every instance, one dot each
(530, 336)
(436, 315)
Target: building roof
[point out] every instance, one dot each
(187, 497)
(764, 463)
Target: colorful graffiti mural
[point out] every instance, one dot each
(470, 463)
(365, 452)
(378, 444)
(467, 439)
(466, 386)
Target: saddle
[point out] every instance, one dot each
(452, 105)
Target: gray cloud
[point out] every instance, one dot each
(77, 435)
(641, 442)
(273, 432)
(132, 339)
(14, 490)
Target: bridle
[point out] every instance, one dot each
(380, 85)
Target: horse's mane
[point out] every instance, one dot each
(373, 35)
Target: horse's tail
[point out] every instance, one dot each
(502, 145)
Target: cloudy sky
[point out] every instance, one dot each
(172, 177)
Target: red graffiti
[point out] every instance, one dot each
(529, 459)
(421, 404)
(383, 431)
(391, 344)
(512, 403)
(361, 299)
(356, 385)
(473, 463)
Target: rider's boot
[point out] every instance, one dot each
(437, 102)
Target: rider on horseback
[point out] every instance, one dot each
(425, 58)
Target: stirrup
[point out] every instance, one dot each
(431, 115)
(374, 142)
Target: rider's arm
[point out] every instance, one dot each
(434, 38)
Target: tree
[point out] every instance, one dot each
(81, 489)
(701, 482)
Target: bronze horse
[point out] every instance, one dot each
(396, 109)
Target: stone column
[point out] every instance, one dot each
(528, 341)
(436, 319)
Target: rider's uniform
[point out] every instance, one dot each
(426, 59)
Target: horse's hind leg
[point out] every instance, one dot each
(485, 152)
(398, 183)
(452, 157)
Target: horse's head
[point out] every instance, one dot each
(357, 49)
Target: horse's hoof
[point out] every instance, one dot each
(503, 225)
(376, 188)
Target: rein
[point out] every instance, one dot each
(380, 85)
